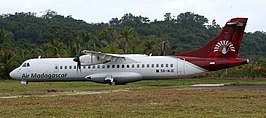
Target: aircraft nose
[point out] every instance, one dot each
(13, 74)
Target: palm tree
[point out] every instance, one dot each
(165, 46)
(23, 53)
(107, 35)
(152, 44)
(55, 49)
(112, 48)
(7, 62)
(127, 33)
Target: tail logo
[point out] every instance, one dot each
(224, 46)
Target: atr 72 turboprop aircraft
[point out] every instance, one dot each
(113, 69)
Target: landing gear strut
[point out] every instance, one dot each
(110, 80)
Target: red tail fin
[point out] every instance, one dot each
(226, 44)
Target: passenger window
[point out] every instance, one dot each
(137, 65)
(171, 65)
(70, 67)
(65, 67)
(123, 66)
(56, 67)
(75, 67)
(152, 65)
(162, 65)
(98, 66)
(127, 66)
(103, 66)
(143, 65)
(108, 66)
(132, 65)
(61, 67)
(117, 66)
(113, 66)
(84, 67)
(93, 66)
(157, 65)
(148, 65)
(166, 65)
(89, 67)
(28, 64)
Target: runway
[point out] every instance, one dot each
(231, 87)
(193, 87)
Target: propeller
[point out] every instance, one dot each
(77, 59)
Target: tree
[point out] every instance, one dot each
(152, 45)
(7, 62)
(112, 48)
(49, 14)
(107, 35)
(84, 40)
(127, 33)
(192, 20)
(165, 46)
(167, 17)
(55, 49)
(133, 21)
(6, 39)
(114, 22)
(64, 34)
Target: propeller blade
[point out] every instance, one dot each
(77, 59)
(79, 66)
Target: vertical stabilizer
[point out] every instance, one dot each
(226, 44)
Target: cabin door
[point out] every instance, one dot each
(180, 68)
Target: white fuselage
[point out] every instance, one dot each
(144, 67)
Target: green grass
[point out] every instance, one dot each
(153, 98)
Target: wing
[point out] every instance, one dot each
(100, 58)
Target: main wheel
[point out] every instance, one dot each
(113, 83)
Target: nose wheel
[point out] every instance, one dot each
(24, 82)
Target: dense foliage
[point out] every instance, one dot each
(26, 35)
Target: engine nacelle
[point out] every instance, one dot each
(86, 60)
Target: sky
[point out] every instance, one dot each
(96, 11)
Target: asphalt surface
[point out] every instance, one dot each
(231, 87)
(195, 87)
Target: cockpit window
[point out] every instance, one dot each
(26, 65)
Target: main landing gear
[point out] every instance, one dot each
(110, 80)
(113, 83)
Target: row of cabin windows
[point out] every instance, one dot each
(119, 66)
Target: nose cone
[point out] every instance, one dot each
(13, 74)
